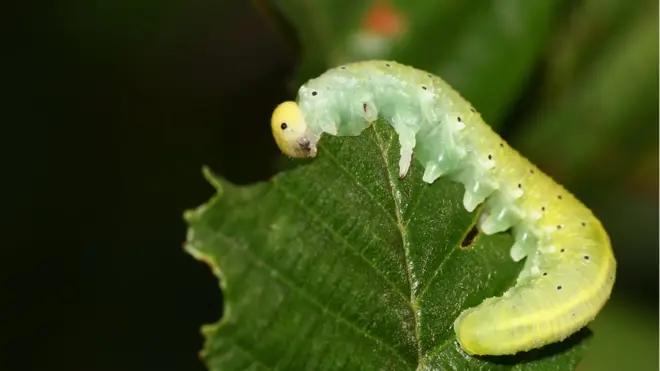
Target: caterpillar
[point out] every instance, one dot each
(570, 268)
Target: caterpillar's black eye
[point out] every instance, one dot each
(284, 126)
(314, 93)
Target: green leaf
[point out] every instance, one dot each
(338, 264)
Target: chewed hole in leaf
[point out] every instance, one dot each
(470, 237)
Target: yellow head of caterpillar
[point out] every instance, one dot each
(290, 131)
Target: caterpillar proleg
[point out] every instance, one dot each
(570, 268)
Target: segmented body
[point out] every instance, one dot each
(570, 268)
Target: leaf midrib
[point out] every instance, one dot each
(404, 242)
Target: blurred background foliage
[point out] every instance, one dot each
(112, 107)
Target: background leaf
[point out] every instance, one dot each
(620, 88)
(464, 42)
(339, 264)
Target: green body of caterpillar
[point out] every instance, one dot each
(570, 268)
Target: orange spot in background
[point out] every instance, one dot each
(383, 19)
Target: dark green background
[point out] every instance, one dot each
(112, 107)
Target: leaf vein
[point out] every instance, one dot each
(310, 298)
(435, 274)
(439, 347)
(249, 354)
(343, 240)
(357, 182)
(404, 243)
(415, 206)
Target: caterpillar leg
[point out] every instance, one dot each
(431, 172)
(444, 163)
(407, 142)
(406, 126)
(525, 245)
(370, 111)
(517, 252)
